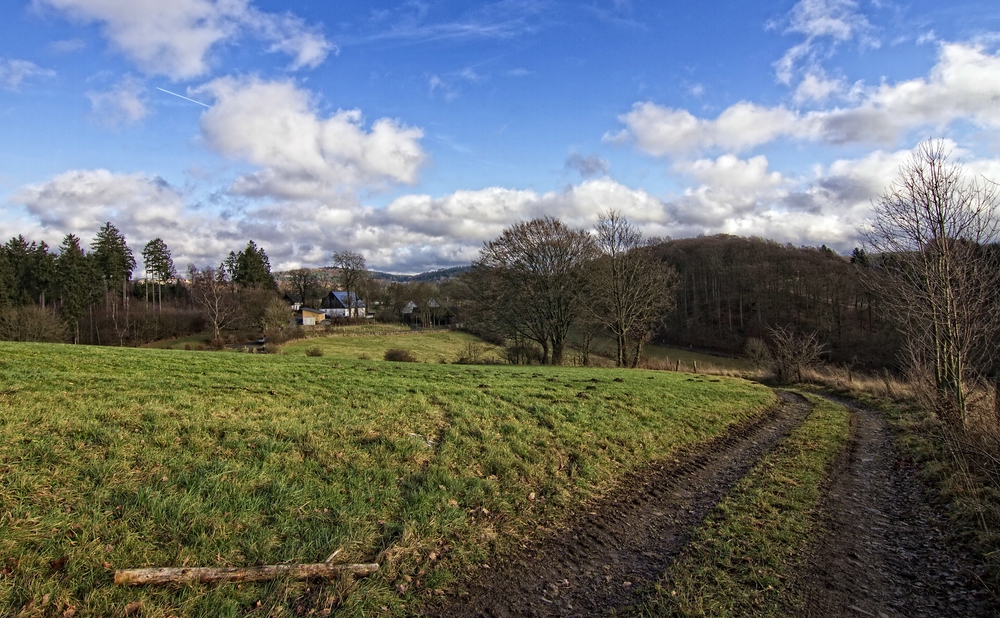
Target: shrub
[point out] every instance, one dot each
(201, 347)
(314, 351)
(32, 323)
(217, 344)
(187, 346)
(400, 356)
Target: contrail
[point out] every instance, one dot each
(183, 97)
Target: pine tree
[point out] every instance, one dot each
(113, 257)
(159, 264)
(78, 282)
(250, 267)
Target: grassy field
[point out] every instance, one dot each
(429, 346)
(739, 562)
(118, 458)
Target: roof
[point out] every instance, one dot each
(341, 300)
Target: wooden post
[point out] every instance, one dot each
(184, 575)
(678, 367)
(695, 363)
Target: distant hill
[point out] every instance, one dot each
(327, 275)
(433, 276)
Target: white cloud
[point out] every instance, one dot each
(664, 131)
(13, 72)
(836, 20)
(174, 38)
(125, 103)
(816, 86)
(421, 232)
(963, 85)
(276, 125)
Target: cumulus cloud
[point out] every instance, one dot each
(125, 103)
(277, 126)
(662, 131)
(588, 166)
(964, 84)
(13, 72)
(143, 207)
(175, 38)
(417, 232)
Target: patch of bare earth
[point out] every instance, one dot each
(606, 559)
(886, 552)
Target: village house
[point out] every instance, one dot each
(338, 304)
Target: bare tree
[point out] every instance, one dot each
(212, 292)
(528, 283)
(630, 291)
(933, 271)
(353, 276)
(792, 352)
(305, 284)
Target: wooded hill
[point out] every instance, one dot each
(731, 288)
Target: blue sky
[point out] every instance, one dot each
(413, 131)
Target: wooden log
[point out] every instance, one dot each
(186, 575)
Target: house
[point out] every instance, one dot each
(339, 305)
(428, 313)
(293, 300)
(310, 317)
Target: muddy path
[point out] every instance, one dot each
(602, 562)
(886, 551)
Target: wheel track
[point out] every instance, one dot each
(622, 543)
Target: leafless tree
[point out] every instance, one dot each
(792, 352)
(528, 283)
(354, 276)
(213, 293)
(629, 290)
(933, 270)
(304, 284)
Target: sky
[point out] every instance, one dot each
(413, 131)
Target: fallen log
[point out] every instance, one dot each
(187, 575)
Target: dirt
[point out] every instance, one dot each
(884, 550)
(619, 546)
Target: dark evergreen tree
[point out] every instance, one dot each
(113, 257)
(250, 267)
(159, 264)
(78, 282)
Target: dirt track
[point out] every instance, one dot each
(885, 552)
(601, 562)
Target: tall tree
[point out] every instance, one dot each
(213, 293)
(305, 284)
(250, 267)
(528, 282)
(159, 264)
(113, 257)
(934, 275)
(629, 290)
(353, 276)
(78, 282)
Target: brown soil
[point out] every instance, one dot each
(887, 551)
(884, 551)
(603, 561)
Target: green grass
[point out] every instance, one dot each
(198, 339)
(429, 346)
(742, 560)
(118, 458)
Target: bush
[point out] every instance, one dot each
(314, 351)
(187, 346)
(32, 323)
(218, 344)
(400, 356)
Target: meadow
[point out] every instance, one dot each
(119, 458)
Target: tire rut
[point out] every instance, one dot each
(886, 551)
(604, 560)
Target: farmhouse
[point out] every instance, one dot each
(343, 305)
(293, 301)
